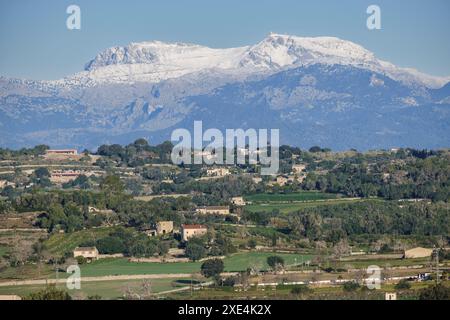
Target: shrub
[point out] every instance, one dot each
(110, 245)
(300, 290)
(49, 293)
(351, 286)
(275, 262)
(435, 292)
(81, 260)
(403, 285)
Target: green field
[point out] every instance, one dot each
(242, 261)
(61, 243)
(289, 197)
(4, 250)
(237, 262)
(109, 267)
(294, 206)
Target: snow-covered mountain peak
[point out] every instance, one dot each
(277, 51)
(142, 52)
(155, 61)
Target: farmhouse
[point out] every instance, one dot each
(159, 228)
(238, 201)
(164, 227)
(90, 253)
(66, 152)
(192, 230)
(5, 183)
(418, 252)
(280, 180)
(217, 172)
(94, 211)
(222, 210)
(64, 176)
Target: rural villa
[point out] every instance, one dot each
(192, 230)
(90, 253)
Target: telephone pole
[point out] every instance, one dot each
(436, 257)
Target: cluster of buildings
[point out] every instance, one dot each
(213, 210)
(187, 231)
(62, 154)
(298, 174)
(218, 172)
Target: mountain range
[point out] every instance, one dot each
(318, 91)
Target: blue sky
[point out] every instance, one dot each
(35, 43)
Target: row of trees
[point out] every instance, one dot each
(413, 178)
(332, 223)
(130, 243)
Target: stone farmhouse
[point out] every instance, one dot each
(192, 230)
(238, 201)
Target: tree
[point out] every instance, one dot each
(110, 245)
(315, 149)
(251, 243)
(435, 292)
(403, 285)
(49, 293)
(195, 251)
(275, 262)
(300, 290)
(163, 248)
(42, 173)
(212, 268)
(81, 260)
(112, 184)
(341, 248)
(351, 286)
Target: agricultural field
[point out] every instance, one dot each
(287, 207)
(242, 261)
(291, 202)
(315, 293)
(105, 289)
(61, 243)
(236, 262)
(290, 197)
(3, 250)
